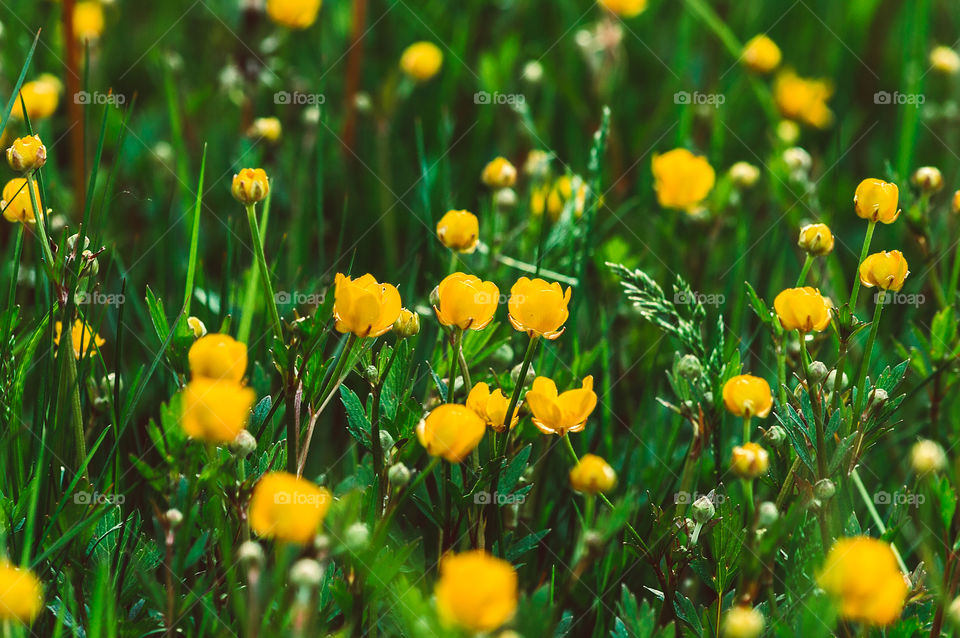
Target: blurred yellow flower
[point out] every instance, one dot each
(886, 270)
(944, 59)
(816, 239)
(364, 306)
(492, 406)
(267, 128)
(555, 413)
(624, 8)
(421, 61)
(499, 173)
(955, 202)
(81, 335)
(877, 200)
(554, 197)
(16, 203)
(538, 308)
(747, 396)
(27, 154)
(742, 622)
(592, 474)
(749, 460)
(761, 54)
(928, 179)
(459, 230)
(293, 14)
(21, 593)
(466, 302)
(218, 357)
(215, 411)
(287, 508)
(862, 574)
(803, 99)
(88, 20)
(250, 185)
(451, 431)
(476, 591)
(41, 97)
(682, 180)
(803, 309)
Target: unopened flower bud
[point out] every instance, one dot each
(824, 489)
(250, 186)
(357, 537)
(877, 399)
(435, 296)
(788, 131)
(797, 160)
(251, 553)
(817, 371)
(72, 242)
(775, 436)
(955, 203)
(816, 239)
(505, 198)
(515, 374)
(744, 174)
(197, 326)
(928, 179)
(954, 611)
(767, 514)
(398, 475)
(689, 367)
(927, 457)
(407, 324)
(244, 445)
(386, 441)
(371, 374)
(743, 622)
(533, 71)
(702, 509)
(90, 266)
(173, 517)
(27, 154)
(306, 572)
(831, 383)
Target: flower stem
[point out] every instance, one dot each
(41, 229)
(863, 255)
(802, 278)
(746, 429)
(865, 363)
(264, 271)
(411, 488)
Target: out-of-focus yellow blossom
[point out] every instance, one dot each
(459, 230)
(537, 164)
(624, 8)
(16, 203)
(803, 309)
(803, 100)
(88, 20)
(555, 413)
(539, 308)
(955, 202)
(877, 200)
(451, 431)
(749, 460)
(816, 239)
(927, 456)
(364, 306)
(761, 54)
(250, 185)
(492, 406)
(744, 174)
(293, 14)
(407, 324)
(288, 508)
(27, 154)
(788, 131)
(742, 622)
(887, 270)
(554, 197)
(499, 173)
(81, 335)
(682, 180)
(862, 574)
(215, 411)
(928, 179)
(218, 357)
(267, 128)
(41, 97)
(748, 396)
(944, 59)
(421, 61)
(466, 302)
(592, 475)
(476, 591)
(21, 594)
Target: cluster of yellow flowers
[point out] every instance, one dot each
(216, 403)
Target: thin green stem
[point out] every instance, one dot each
(264, 271)
(746, 429)
(865, 363)
(875, 515)
(411, 488)
(864, 250)
(41, 229)
(802, 278)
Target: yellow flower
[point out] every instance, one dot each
(955, 202)
(16, 203)
(451, 431)
(944, 59)
(624, 8)
(466, 302)
(459, 230)
(87, 20)
(288, 508)
(538, 308)
(407, 324)
(82, 336)
(421, 61)
(218, 357)
(499, 173)
(365, 307)
(877, 200)
(215, 411)
(267, 128)
(816, 239)
(196, 326)
(862, 574)
(27, 154)
(748, 396)
(682, 180)
(750, 460)
(592, 474)
(555, 413)
(250, 185)
(41, 97)
(476, 591)
(803, 99)
(886, 270)
(803, 309)
(761, 54)
(743, 622)
(293, 14)
(492, 406)
(21, 593)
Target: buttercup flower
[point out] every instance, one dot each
(816, 239)
(363, 306)
(492, 406)
(407, 324)
(742, 622)
(955, 202)
(538, 308)
(624, 8)
(749, 460)
(268, 128)
(555, 413)
(21, 594)
(16, 203)
(215, 411)
(87, 20)
(293, 14)
(288, 508)
(27, 154)
(928, 179)
(945, 60)
(421, 61)
(466, 302)
(887, 270)
(803, 309)
(250, 185)
(499, 173)
(748, 396)
(451, 431)
(459, 230)
(877, 200)
(218, 357)
(81, 335)
(592, 474)
(554, 197)
(682, 180)
(41, 97)
(476, 591)
(803, 99)
(761, 54)
(862, 574)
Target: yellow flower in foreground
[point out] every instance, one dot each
(624, 8)
(749, 460)
(592, 474)
(16, 203)
(451, 431)
(944, 59)
(682, 180)
(288, 508)
(761, 54)
(250, 185)
(555, 413)
(27, 154)
(887, 270)
(742, 622)
(459, 230)
(802, 99)
(218, 357)
(748, 396)
(267, 128)
(816, 239)
(41, 97)
(421, 61)
(88, 20)
(293, 14)
(466, 302)
(215, 411)
(476, 591)
(492, 406)
(877, 200)
(862, 574)
(82, 336)
(803, 309)
(538, 308)
(21, 593)
(499, 173)
(364, 306)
